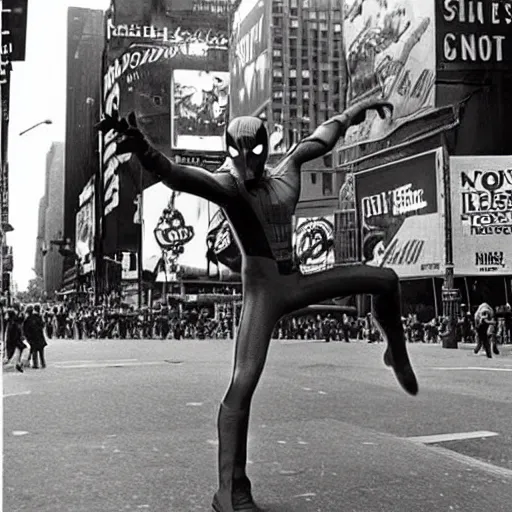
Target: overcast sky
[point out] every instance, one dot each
(38, 91)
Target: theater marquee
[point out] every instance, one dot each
(481, 191)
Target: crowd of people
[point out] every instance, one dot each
(28, 329)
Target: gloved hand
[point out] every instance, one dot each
(379, 105)
(129, 139)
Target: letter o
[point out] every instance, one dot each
(485, 50)
(135, 59)
(491, 181)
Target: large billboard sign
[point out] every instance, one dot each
(168, 227)
(481, 195)
(85, 227)
(250, 62)
(474, 35)
(314, 243)
(199, 109)
(390, 54)
(401, 216)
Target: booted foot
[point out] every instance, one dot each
(404, 374)
(240, 499)
(19, 368)
(496, 351)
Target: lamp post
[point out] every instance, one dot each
(46, 121)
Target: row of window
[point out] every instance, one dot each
(308, 11)
(312, 26)
(320, 54)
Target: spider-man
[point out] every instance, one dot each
(259, 205)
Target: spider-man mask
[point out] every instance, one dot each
(247, 145)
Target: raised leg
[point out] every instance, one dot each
(383, 284)
(260, 313)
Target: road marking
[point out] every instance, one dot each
(17, 394)
(474, 368)
(498, 471)
(19, 433)
(111, 364)
(194, 404)
(456, 436)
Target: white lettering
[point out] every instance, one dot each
(473, 47)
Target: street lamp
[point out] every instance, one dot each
(46, 121)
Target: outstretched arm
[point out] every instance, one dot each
(183, 178)
(325, 137)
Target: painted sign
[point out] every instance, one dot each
(249, 58)
(85, 227)
(481, 191)
(173, 236)
(314, 243)
(400, 214)
(199, 109)
(474, 34)
(390, 54)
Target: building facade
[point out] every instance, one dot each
(83, 102)
(53, 227)
(167, 62)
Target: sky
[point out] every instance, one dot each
(38, 92)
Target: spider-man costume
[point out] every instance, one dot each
(259, 205)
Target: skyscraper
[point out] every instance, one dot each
(85, 48)
(287, 65)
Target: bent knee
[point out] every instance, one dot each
(390, 280)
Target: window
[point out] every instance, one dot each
(326, 184)
(337, 27)
(277, 53)
(294, 23)
(277, 72)
(305, 73)
(313, 178)
(293, 73)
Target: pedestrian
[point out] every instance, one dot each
(33, 328)
(483, 318)
(14, 345)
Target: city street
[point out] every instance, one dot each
(121, 425)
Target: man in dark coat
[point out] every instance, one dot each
(33, 328)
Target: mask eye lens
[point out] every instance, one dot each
(233, 153)
(258, 149)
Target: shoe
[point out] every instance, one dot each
(35, 367)
(495, 350)
(19, 367)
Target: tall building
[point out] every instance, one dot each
(167, 61)
(286, 62)
(53, 219)
(83, 101)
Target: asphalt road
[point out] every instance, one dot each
(130, 425)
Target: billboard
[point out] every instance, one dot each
(250, 61)
(401, 216)
(168, 227)
(84, 230)
(313, 241)
(474, 35)
(481, 194)
(199, 109)
(390, 54)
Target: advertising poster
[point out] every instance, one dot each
(401, 216)
(85, 228)
(314, 243)
(250, 62)
(390, 54)
(474, 35)
(199, 109)
(166, 229)
(481, 192)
